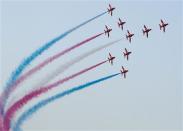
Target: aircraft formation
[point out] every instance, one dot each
(129, 35)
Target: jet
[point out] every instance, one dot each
(162, 25)
(107, 30)
(111, 58)
(146, 30)
(110, 9)
(126, 53)
(121, 23)
(129, 36)
(123, 71)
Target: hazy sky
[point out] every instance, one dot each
(150, 97)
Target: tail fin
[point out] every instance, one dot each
(121, 72)
(124, 54)
(118, 24)
(160, 26)
(108, 10)
(126, 37)
(143, 32)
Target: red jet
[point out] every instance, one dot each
(107, 30)
(129, 36)
(146, 30)
(110, 9)
(123, 71)
(126, 53)
(121, 23)
(110, 59)
(162, 25)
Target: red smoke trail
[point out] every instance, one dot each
(1, 122)
(24, 100)
(41, 65)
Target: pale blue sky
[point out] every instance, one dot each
(150, 97)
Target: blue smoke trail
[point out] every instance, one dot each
(43, 103)
(22, 66)
(15, 74)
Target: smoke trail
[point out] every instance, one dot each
(1, 122)
(20, 103)
(76, 60)
(50, 59)
(17, 72)
(67, 65)
(40, 66)
(43, 103)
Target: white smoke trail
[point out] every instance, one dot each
(65, 67)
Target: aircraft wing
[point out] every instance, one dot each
(145, 27)
(162, 21)
(110, 55)
(123, 68)
(128, 31)
(147, 34)
(110, 6)
(120, 20)
(106, 27)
